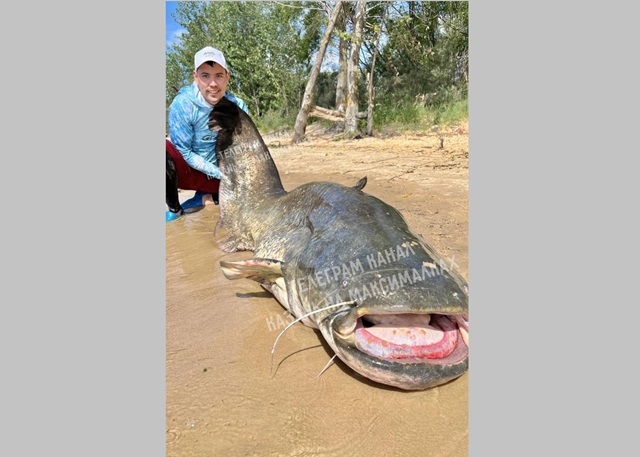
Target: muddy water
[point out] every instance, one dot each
(222, 398)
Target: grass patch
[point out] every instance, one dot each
(452, 112)
(388, 116)
(274, 121)
(409, 116)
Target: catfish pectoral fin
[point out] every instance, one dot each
(256, 269)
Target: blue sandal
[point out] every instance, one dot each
(194, 202)
(171, 216)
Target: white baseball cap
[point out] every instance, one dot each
(210, 54)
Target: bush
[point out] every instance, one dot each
(453, 112)
(274, 120)
(446, 107)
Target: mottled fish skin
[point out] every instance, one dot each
(324, 243)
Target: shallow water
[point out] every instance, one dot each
(222, 399)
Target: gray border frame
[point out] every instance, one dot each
(552, 103)
(83, 324)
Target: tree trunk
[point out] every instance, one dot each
(371, 94)
(351, 111)
(371, 90)
(341, 85)
(303, 114)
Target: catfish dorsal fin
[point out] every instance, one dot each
(360, 184)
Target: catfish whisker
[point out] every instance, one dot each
(299, 319)
(327, 365)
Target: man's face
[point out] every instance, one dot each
(212, 81)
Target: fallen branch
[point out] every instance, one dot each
(409, 170)
(331, 115)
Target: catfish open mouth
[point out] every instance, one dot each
(413, 338)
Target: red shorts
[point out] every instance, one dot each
(189, 178)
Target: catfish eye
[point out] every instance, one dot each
(345, 283)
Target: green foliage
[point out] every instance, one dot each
(426, 54)
(405, 114)
(452, 112)
(416, 115)
(261, 42)
(325, 94)
(420, 77)
(272, 121)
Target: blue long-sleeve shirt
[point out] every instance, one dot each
(189, 131)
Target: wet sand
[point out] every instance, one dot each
(222, 398)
